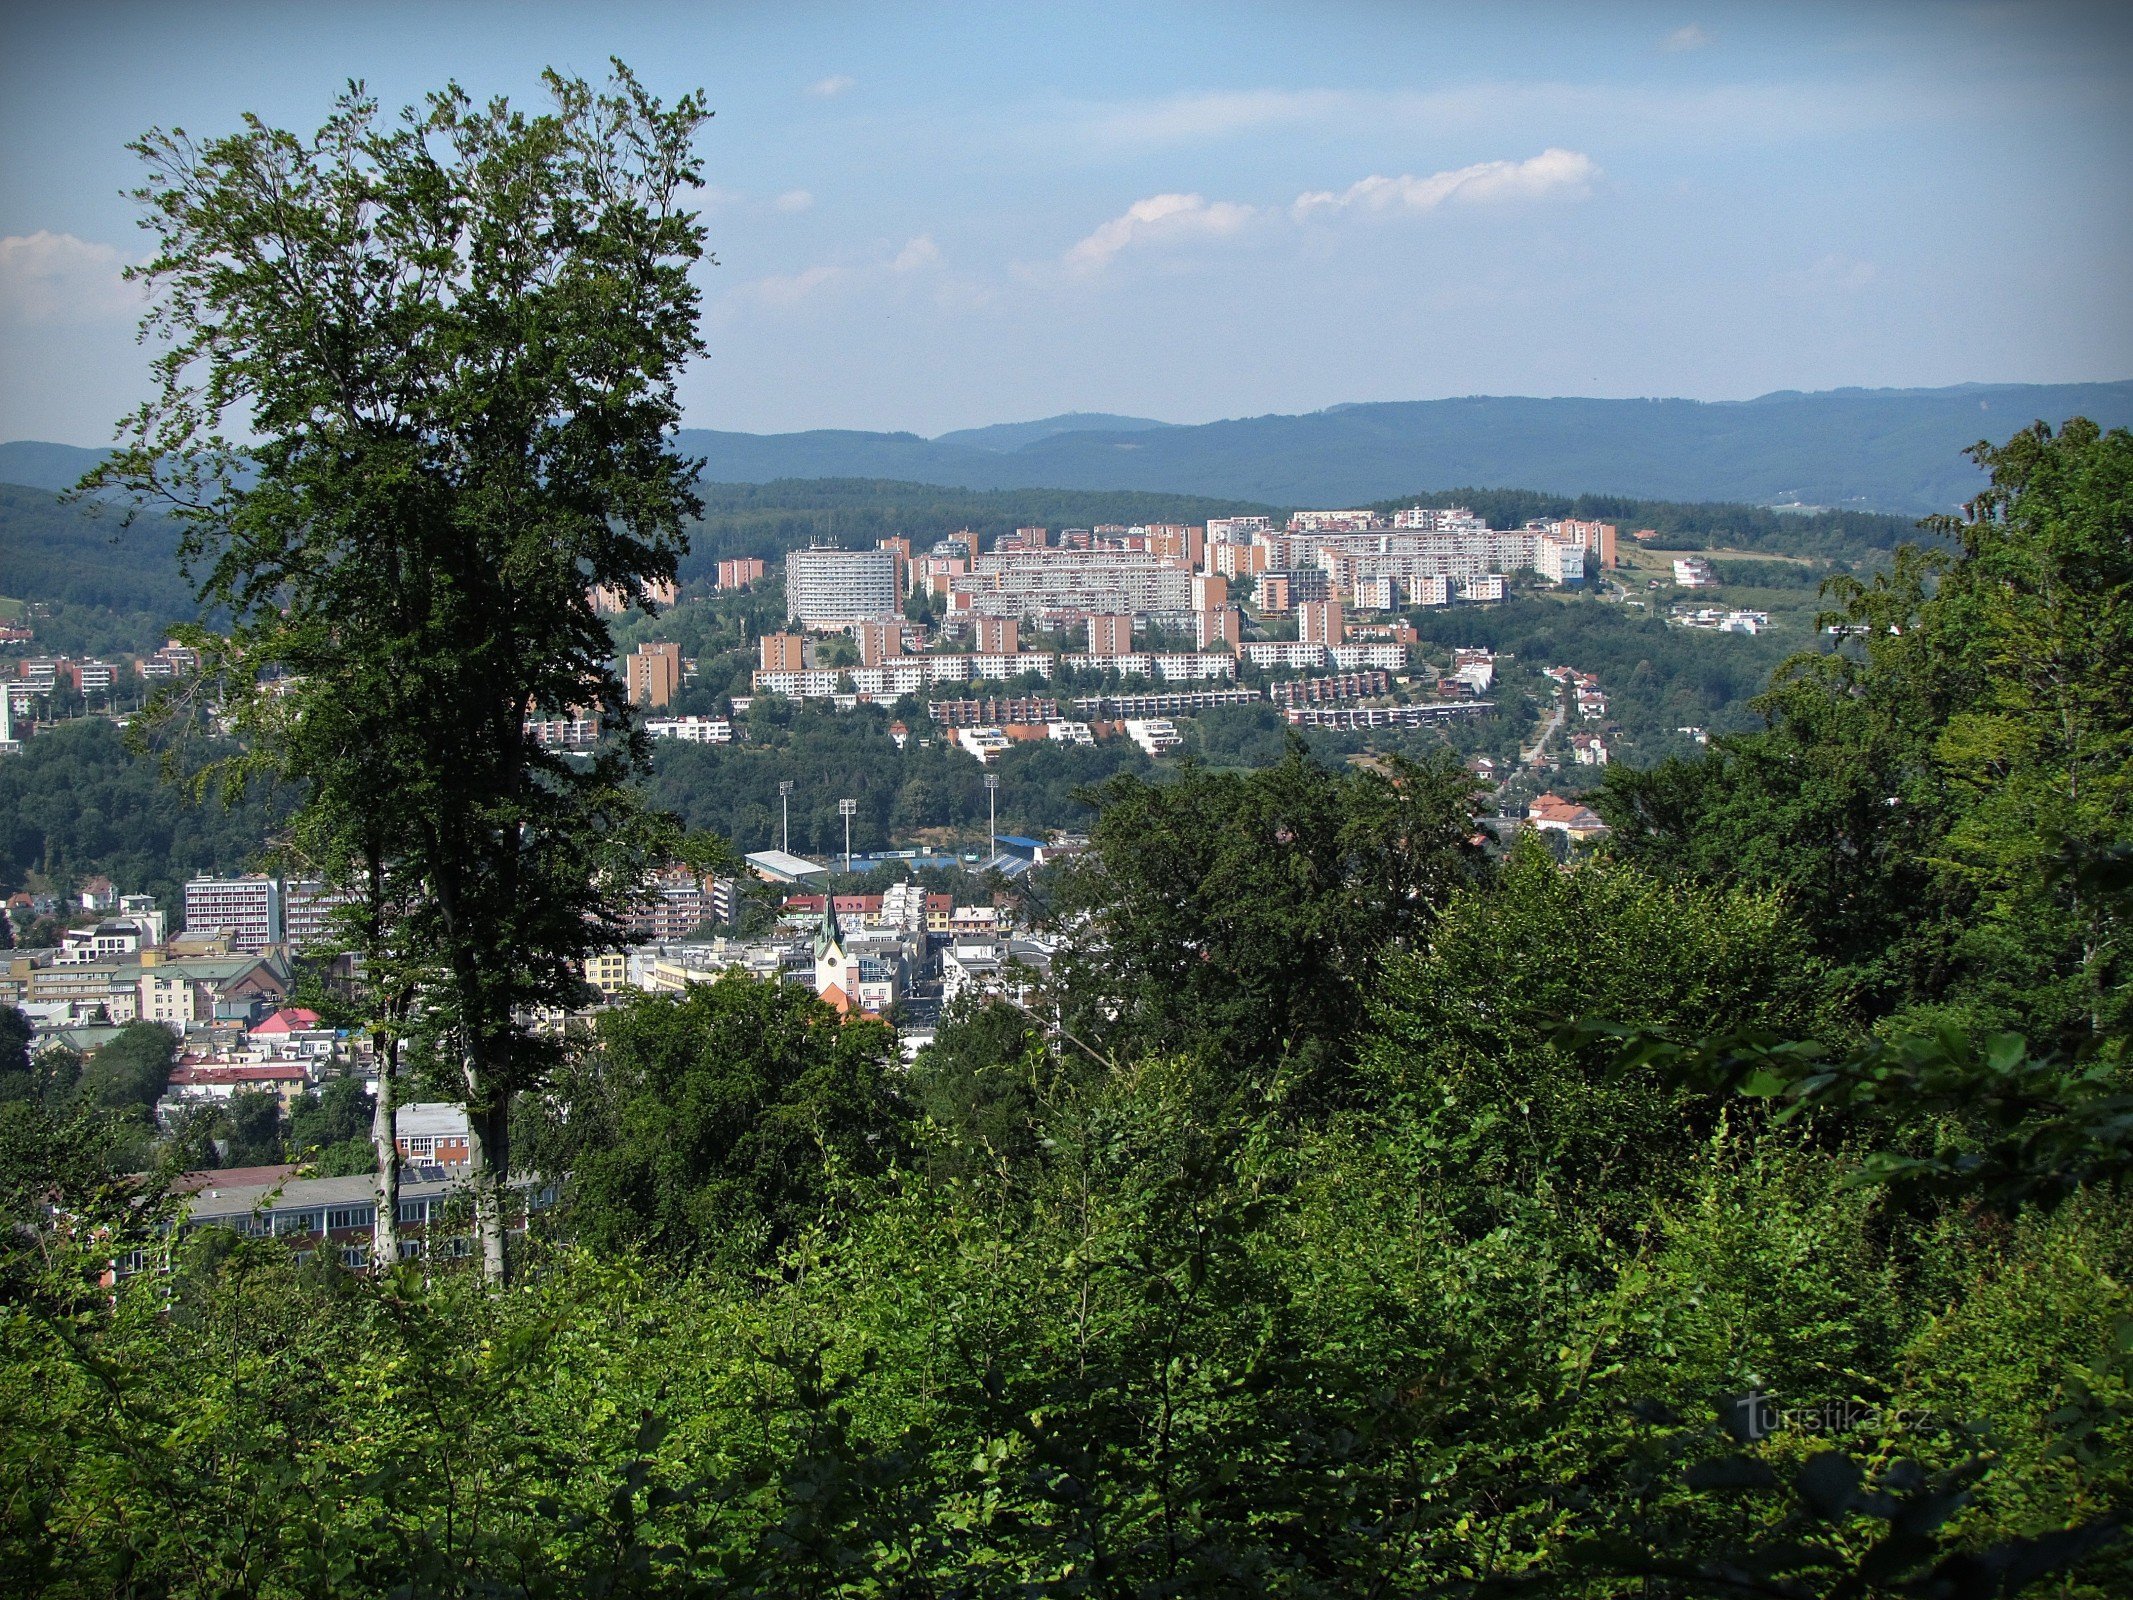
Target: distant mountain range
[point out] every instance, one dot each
(1895, 450)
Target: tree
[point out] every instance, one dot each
(713, 1126)
(1947, 798)
(455, 338)
(1246, 914)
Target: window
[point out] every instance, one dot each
(421, 1144)
(287, 1222)
(410, 1249)
(351, 1217)
(355, 1255)
(414, 1211)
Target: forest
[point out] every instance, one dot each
(1739, 1210)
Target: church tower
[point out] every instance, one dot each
(836, 969)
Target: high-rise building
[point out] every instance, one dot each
(835, 588)
(307, 912)
(879, 640)
(248, 909)
(739, 573)
(783, 652)
(1111, 634)
(996, 636)
(1320, 622)
(654, 674)
(1216, 629)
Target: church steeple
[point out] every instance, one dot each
(829, 933)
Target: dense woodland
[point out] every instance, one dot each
(1739, 1210)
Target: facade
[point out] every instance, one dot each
(248, 909)
(997, 636)
(1110, 634)
(781, 652)
(691, 730)
(1218, 629)
(1320, 622)
(827, 589)
(653, 674)
(740, 573)
(307, 912)
(1693, 572)
(1156, 735)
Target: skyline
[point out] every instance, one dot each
(955, 217)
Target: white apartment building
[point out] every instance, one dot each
(1370, 654)
(248, 909)
(1154, 734)
(691, 730)
(1070, 732)
(1035, 583)
(835, 588)
(1559, 560)
(1272, 653)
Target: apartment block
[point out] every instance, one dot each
(782, 652)
(1319, 622)
(248, 909)
(653, 674)
(879, 641)
(997, 635)
(741, 572)
(1210, 592)
(827, 589)
(1111, 634)
(1216, 629)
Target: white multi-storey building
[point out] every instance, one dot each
(1037, 583)
(248, 909)
(835, 588)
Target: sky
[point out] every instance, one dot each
(928, 217)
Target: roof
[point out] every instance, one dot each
(1021, 841)
(289, 1019)
(783, 866)
(204, 1072)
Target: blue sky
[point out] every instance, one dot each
(929, 217)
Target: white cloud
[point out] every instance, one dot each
(1550, 172)
(1161, 218)
(794, 200)
(55, 277)
(791, 289)
(831, 87)
(1688, 38)
(919, 253)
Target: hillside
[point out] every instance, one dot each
(1889, 450)
(1875, 450)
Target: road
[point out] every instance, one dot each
(1532, 753)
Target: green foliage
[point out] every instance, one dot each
(100, 584)
(76, 803)
(1946, 801)
(1246, 915)
(717, 1126)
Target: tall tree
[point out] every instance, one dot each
(453, 339)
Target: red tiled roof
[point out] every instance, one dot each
(290, 1019)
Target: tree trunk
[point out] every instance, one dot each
(385, 1144)
(489, 1170)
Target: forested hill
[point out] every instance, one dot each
(1872, 450)
(1891, 450)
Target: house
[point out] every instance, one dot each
(1551, 813)
(1588, 750)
